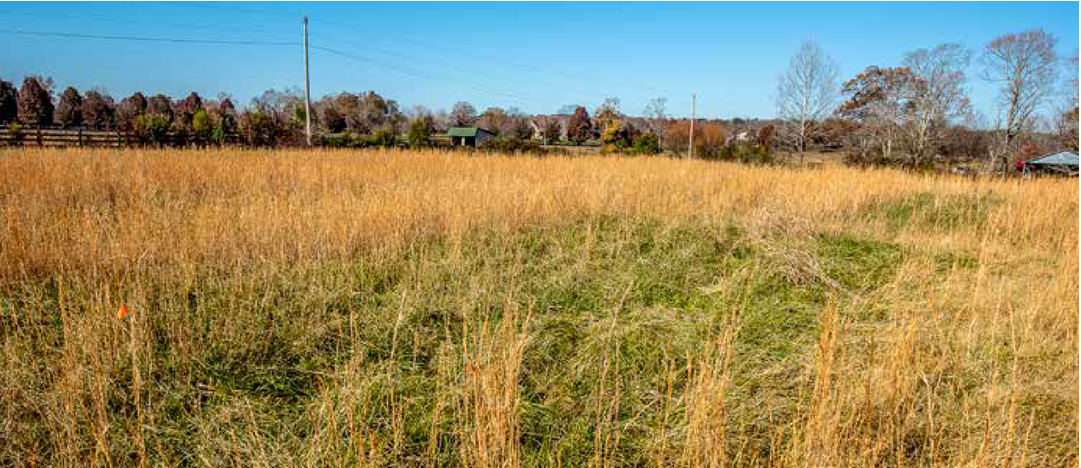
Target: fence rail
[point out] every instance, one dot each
(82, 137)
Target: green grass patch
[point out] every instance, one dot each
(931, 211)
(637, 297)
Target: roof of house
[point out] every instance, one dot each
(1064, 158)
(470, 131)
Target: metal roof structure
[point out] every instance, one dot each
(1064, 158)
(470, 131)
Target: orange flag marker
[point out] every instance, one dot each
(122, 313)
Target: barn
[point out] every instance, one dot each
(469, 136)
(1057, 163)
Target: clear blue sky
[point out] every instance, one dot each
(535, 56)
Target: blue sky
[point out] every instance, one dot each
(534, 56)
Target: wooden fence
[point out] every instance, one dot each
(82, 137)
(62, 137)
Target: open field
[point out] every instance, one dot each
(336, 308)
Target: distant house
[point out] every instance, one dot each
(1058, 163)
(539, 122)
(468, 136)
(740, 137)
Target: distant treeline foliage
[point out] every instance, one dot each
(914, 115)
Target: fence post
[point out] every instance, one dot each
(39, 136)
(79, 138)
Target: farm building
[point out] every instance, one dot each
(1057, 163)
(469, 136)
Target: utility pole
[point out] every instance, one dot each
(690, 144)
(307, 88)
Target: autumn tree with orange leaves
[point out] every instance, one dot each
(880, 100)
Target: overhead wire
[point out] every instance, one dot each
(401, 69)
(435, 63)
(409, 71)
(413, 58)
(351, 55)
(148, 39)
(572, 79)
(84, 17)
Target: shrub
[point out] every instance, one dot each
(420, 133)
(16, 132)
(217, 134)
(512, 146)
(381, 139)
(646, 144)
(384, 138)
(180, 132)
(152, 129)
(749, 153)
(343, 140)
(201, 129)
(129, 109)
(259, 129)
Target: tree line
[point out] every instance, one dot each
(918, 112)
(277, 118)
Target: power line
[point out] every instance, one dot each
(412, 71)
(145, 39)
(401, 69)
(468, 81)
(574, 78)
(439, 64)
(84, 17)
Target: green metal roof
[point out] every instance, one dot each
(462, 131)
(465, 131)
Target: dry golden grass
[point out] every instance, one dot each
(416, 308)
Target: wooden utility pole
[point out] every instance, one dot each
(307, 88)
(690, 144)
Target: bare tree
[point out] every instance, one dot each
(568, 109)
(1025, 67)
(463, 113)
(1066, 123)
(806, 94)
(496, 120)
(655, 111)
(941, 96)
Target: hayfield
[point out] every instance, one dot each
(410, 308)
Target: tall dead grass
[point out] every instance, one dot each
(966, 356)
